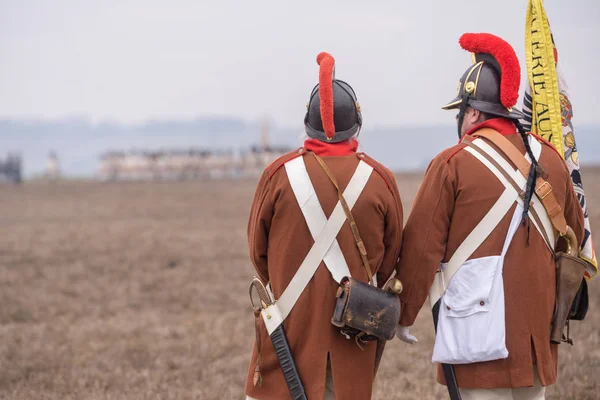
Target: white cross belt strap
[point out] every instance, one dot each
(493, 217)
(314, 215)
(275, 314)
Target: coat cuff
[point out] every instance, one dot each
(409, 314)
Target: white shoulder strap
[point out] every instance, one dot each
(275, 314)
(536, 148)
(314, 215)
(512, 229)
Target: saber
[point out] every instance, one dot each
(280, 343)
(448, 369)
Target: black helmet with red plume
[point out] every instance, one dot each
(333, 113)
(491, 84)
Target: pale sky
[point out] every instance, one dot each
(132, 60)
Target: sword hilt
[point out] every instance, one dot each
(262, 292)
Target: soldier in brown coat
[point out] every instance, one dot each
(456, 194)
(279, 240)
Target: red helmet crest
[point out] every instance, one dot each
(504, 55)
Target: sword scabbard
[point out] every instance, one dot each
(280, 343)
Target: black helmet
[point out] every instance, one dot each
(333, 113)
(491, 84)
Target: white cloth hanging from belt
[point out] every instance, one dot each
(471, 325)
(324, 233)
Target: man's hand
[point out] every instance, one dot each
(404, 335)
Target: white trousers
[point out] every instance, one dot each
(535, 392)
(329, 393)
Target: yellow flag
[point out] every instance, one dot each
(548, 110)
(541, 71)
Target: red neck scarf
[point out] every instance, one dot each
(503, 125)
(344, 148)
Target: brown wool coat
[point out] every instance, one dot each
(279, 240)
(456, 193)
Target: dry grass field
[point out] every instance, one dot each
(139, 291)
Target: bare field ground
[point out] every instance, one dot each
(139, 291)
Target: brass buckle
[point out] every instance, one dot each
(545, 185)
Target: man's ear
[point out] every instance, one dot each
(474, 116)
